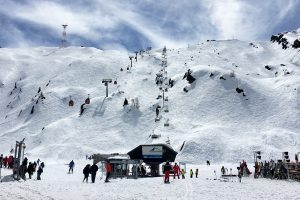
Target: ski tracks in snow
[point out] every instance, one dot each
(189, 190)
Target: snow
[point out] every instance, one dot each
(215, 122)
(57, 184)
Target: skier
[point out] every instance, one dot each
(191, 173)
(176, 170)
(223, 170)
(108, 170)
(94, 170)
(256, 170)
(208, 163)
(23, 168)
(71, 166)
(40, 171)
(125, 102)
(296, 158)
(30, 169)
(86, 172)
(240, 174)
(157, 110)
(82, 109)
(196, 173)
(167, 169)
(182, 174)
(38, 161)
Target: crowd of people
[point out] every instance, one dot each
(6, 162)
(270, 169)
(88, 169)
(25, 167)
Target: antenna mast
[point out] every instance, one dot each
(64, 36)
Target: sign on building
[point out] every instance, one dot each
(152, 151)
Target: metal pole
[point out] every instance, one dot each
(19, 160)
(106, 89)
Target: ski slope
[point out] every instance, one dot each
(57, 184)
(216, 122)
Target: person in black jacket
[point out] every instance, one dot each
(30, 169)
(167, 169)
(40, 171)
(94, 170)
(86, 172)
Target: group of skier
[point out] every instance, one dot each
(6, 162)
(88, 169)
(24, 168)
(270, 169)
(30, 168)
(168, 168)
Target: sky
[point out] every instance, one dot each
(135, 24)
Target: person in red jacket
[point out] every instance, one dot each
(176, 170)
(108, 170)
(167, 169)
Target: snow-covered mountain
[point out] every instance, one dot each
(245, 98)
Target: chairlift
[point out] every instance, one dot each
(71, 102)
(87, 100)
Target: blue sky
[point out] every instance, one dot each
(135, 24)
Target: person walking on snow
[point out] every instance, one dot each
(94, 170)
(182, 174)
(108, 170)
(125, 102)
(157, 110)
(176, 170)
(71, 166)
(167, 169)
(191, 173)
(86, 172)
(40, 171)
(82, 108)
(196, 173)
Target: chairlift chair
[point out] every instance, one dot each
(71, 102)
(87, 100)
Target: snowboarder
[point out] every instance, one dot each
(125, 102)
(182, 174)
(71, 166)
(196, 173)
(167, 169)
(108, 170)
(40, 171)
(94, 170)
(191, 173)
(82, 109)
(176, 170)
(86, 172)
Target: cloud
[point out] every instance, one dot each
(135, 24)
